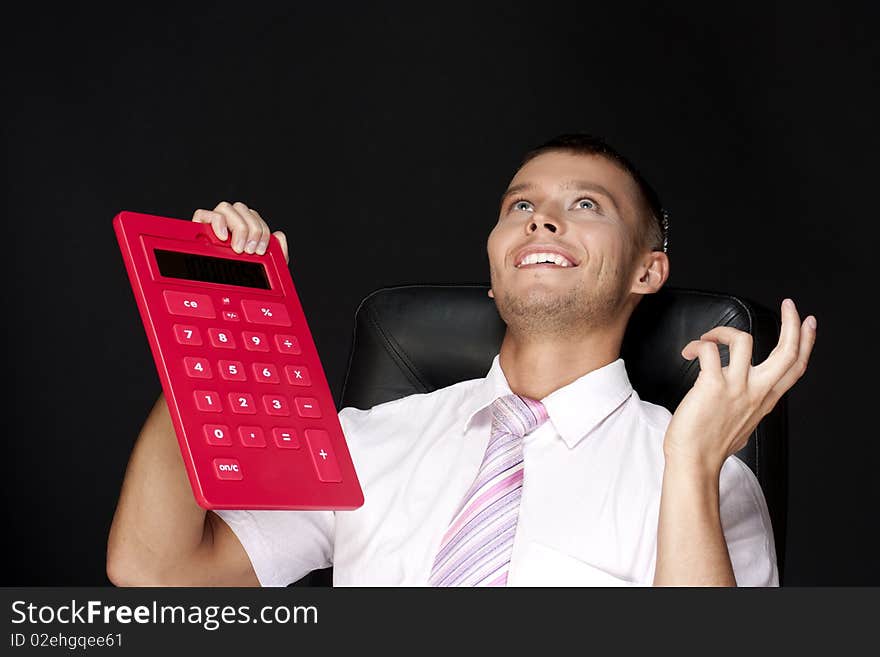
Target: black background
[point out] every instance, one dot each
(379, 138)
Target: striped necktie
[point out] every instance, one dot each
(476, 549)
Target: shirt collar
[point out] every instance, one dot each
(575, 409)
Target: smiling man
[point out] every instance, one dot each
(550, 470)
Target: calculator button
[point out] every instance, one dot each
(266, 373)
(297, 375)
(197, 368)
(232, 370)
(285, 438)
(217, 434)
(242, 402)
(231, 316)
(225, 301)
(255, 341)
(322, 455)
(221, 338)
(251, 436)
(187, 303)
(208, 401)
(307, 407)
(276, 405)
(265, 312)
(287, 344)
(227, 469)
(187, 335)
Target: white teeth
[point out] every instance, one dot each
(535, 258)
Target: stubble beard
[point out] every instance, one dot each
(542, 312)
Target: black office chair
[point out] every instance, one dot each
(418, 338)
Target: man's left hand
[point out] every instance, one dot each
(717, 416)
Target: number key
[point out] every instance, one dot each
(197, 368)
(242, 402)
(276, 405)
(255, 341)
(207, 400)
(187, 335)
(217, 434)
(266, 373)
(221, 338)
(232, 370)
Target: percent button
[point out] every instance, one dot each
(265, 312)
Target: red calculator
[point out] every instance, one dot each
(255, 420)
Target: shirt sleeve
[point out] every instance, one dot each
(746, 524)
(283, 546)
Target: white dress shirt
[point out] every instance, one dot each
(590, 499)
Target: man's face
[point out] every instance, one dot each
(580, 212)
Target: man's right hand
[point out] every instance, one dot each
(249, 232)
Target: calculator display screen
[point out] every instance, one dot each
(174, 264)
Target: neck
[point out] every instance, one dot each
(535, 366)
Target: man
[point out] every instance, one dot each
(550, 470)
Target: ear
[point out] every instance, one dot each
(652, 271)
(491, 293)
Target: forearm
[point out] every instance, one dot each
(157, 522)
(691, 550)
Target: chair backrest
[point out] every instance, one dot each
(418, 338)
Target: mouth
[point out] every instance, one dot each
(544, 257)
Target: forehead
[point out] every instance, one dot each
(553, 170)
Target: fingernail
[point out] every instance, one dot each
(238, 247)
(222, 233)
(251, 246)
(261, 249)
(811, 322)
(788, 302)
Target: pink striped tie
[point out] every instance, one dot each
(476, 549)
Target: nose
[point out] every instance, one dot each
(543, 222)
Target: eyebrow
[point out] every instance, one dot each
(579, 185)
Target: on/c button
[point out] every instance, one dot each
(227, 469)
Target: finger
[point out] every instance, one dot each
(254, 224)
(236, 224)
(785, 353)
(707, 352)
(740, 347)
(282, 239)
(266, 234)
(796, 371)
(215, 219)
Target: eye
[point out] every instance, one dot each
(587, 204)
(521, 205)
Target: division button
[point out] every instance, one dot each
(322, 455)
(288, 344)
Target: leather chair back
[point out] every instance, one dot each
(418, 338)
